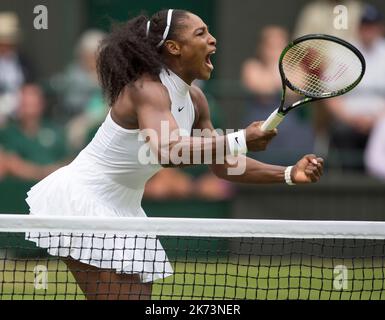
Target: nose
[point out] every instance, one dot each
(212, 40)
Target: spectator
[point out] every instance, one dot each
(181, 184)
(3, 165)
(260, 76)
(14, 166)
(265, 64)
(34, 147)
(319, 17)
(375, 151)
(169, 184)
(14, 69)
(356, 113)
(81, 103)
(78, 84)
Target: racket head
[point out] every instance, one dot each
(321, 66)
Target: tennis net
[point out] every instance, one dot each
(203, 259)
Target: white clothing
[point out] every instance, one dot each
(375, 150)
(368, 98)
(107, 179)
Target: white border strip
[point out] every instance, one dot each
(196, 227)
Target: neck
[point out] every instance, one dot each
(183, 76)
(178, 70)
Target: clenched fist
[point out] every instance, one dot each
(307, 170)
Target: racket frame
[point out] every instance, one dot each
(308, 96)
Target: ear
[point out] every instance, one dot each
(173, 47)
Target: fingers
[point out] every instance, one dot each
(318, 162)
(320, 166)
(314, 168)
(311, 158)
(311, 175)
(272, 132)
(257, 139)
(314, 172)
(269, 135)
(314, 159)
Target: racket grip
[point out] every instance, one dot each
(273, 121)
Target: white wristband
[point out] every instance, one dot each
(237, 143)
(288, 176)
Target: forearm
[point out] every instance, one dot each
(255, 172)
(194, 150)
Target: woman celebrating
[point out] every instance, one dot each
(146, 69)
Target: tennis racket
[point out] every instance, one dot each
(316, 66)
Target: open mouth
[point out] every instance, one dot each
(208, 60)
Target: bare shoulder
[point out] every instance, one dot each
(145, 93)
(147, 90)
(198, 97)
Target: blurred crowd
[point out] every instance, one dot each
(45, 123)
(349, 131)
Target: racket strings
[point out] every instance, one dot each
(310, 76)
(320, 67)
(307, 64)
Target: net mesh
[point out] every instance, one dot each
(243, 259)
(321, 67)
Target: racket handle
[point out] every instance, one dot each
(273, 121)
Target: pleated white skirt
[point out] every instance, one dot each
(64, 194)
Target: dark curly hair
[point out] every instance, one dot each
(127, 53)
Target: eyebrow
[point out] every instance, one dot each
(201, 29)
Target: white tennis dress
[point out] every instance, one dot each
(107, 180)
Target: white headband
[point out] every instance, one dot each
(148, 28)
(166, 31)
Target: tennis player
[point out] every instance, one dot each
(146, 69)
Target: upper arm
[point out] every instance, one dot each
(152, 106)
